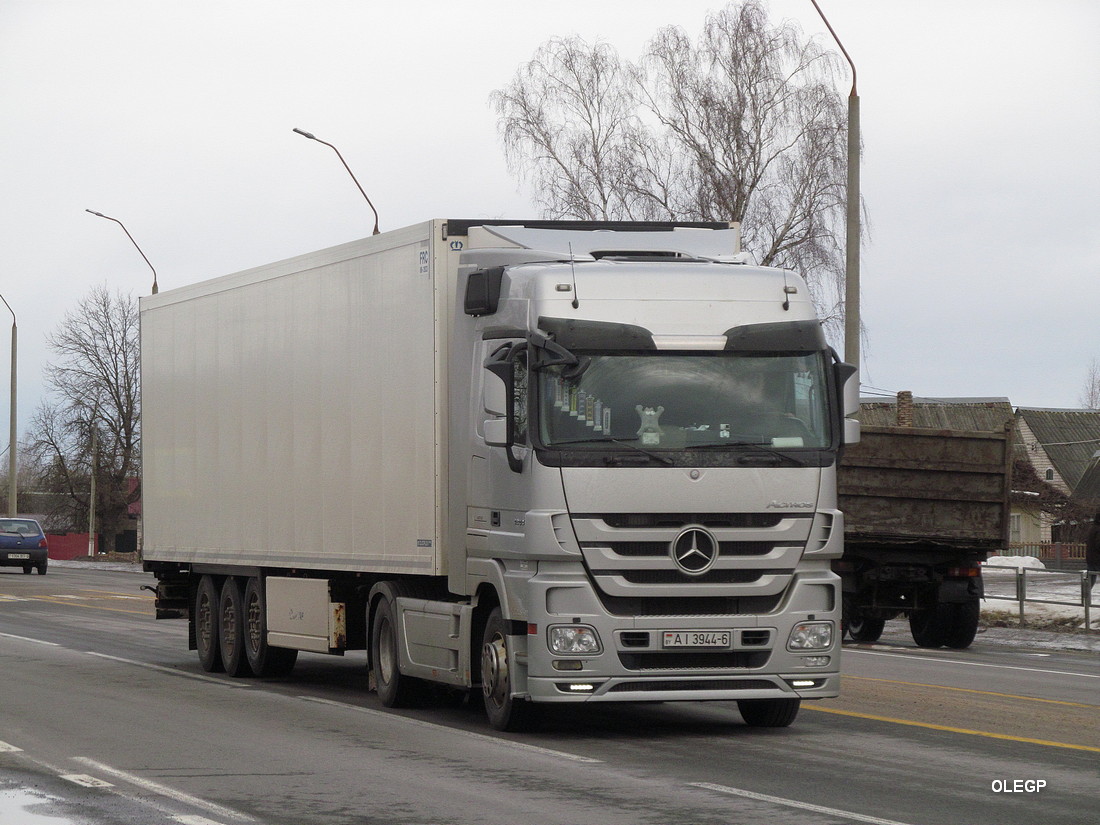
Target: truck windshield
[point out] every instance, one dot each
(677, 401)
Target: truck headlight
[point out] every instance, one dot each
(811, 636)
(575, 640)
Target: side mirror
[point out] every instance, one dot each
(495, 394)
(497, 397)
(847, 379)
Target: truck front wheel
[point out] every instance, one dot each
(769, 713)
(505, 712)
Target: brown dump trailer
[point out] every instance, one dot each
(923, 508)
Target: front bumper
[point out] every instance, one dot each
(635, 666)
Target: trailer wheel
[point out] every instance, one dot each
(206, 625)
(395, 689)
(263, 659)
(929, 626)
(231, 629)
(505, 711)
(768, 713)
(962, 625)
(865, 628)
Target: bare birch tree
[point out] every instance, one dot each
(1090, 395)
(95, 390)
(743, 124)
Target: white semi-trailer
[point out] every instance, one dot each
(551, 462)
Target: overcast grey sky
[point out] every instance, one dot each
(981, 126)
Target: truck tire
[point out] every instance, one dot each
(962, 625)
(395, 689)
(929, 626)
(206, 625)
(505, 711)
(769, 713)
(865, 628)
(231, 629)
(263, 659)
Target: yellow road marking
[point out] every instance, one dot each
(929, 725)
(972, 690)
(75, 603)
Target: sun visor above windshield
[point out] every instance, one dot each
(785, 336)
(597, 335)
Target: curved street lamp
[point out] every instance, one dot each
(851, 276)
(131, 237)
(13, 491)
(337, 151)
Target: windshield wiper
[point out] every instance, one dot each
(664, 459)
(756, 445)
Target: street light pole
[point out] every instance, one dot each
(13, 488)
(131, 237)
(337, 151)
(852, 237)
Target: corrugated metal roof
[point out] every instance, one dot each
(1069, 437)
(980, 415)
(1087, 490)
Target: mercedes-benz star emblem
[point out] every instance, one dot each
(694, 551)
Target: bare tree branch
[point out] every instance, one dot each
(742, 124)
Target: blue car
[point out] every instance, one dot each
(23, 544)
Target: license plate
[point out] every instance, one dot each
(698, 638)
(19, 555)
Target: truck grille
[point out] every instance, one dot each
(631, 560)
(692, 660)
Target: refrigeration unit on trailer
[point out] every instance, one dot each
(546, 462)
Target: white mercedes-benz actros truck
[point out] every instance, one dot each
(543, 462)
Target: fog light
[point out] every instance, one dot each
(815, 661)
(585, 688)
(574, 640)
(811, 636)
(803, 683)
(568, 664)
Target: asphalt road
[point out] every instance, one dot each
(106, 718)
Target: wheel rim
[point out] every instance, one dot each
(229, 623)
(387, 652)
(494, 670)
(205, 622)
(255, 622)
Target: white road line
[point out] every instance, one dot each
(572, 757)
(6, 748)
(162, 669)
(86, 781)
(164, 790)
(793, 803)
(195, 820)
(28, 639)
(973, 664)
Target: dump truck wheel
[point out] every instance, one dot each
(962, 624)
(929, 626)
(865, 628)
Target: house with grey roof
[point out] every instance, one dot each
(1063, 446)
